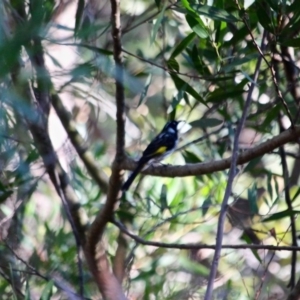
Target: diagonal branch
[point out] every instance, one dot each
(232, 173)
(86, 156)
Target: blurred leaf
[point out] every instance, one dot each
(214, 13)
(206, 205)
(173, 64)
(183, 44)
(296, 194)
(145, 90)
(193, 266)
(263, 15)
(252, 164)
(163, 198)
(179, 83)
(252, 198)
(281, 215)
(270, 117)
(197, 26)
(239, 61)
(157, 2)
(47, 292)
(220, 95)
(290, 42)
(205, 123)
(4, 195)
(79, 13)
(190, 158)
(157, 24)
(247, 239)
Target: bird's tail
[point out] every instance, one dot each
(132, 176)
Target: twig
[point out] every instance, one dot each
(86, 156)
(167, 69)
(232, 173)
(191, 246)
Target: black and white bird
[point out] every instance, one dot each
(160, 147)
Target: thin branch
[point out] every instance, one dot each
(191, 246)
(86, 156)
(191, 76)
(232, 173)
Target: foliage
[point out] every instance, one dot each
(191, 60)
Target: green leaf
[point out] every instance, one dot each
(173, 64)
(281, 215)
(179, 83)
(206, 205)
(191, 266)
(157, 2)
(163, 198)
(204, 123)
(183, 44)
(250, 166)
(214, 13)
(4, 195)
(222, 94)
(263, 16)
(252, 198)
(157, 24)
(247, 239)
(239, 61)
(79, 13)
(47, 292)
(145, 89)
(295, 43)
(191, 158)
(296, 194)
(197, 26)
(271, 116)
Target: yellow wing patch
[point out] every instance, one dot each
(160, 150)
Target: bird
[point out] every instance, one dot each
(160, 147)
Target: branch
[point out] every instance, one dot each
(86, 156)
(107, 282)
(192, 246)
(290, 135)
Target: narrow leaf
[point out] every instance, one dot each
(214, 13)
(157, 24)
(179, 83)
(183, 44)
(163, 198)
(145, 89)
(281, 215)
(206, 123)
(79, 12)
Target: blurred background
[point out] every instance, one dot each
(188, 60)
